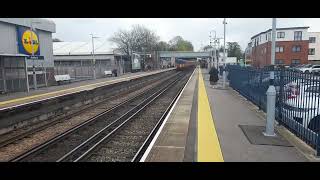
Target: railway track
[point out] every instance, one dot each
(129, 140)
(72, 144)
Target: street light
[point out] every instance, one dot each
(224, 52)
(214, 46)
(93, 58)
(271, 92)
(32, 50)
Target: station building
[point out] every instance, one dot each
(78, 60)
(20, 59)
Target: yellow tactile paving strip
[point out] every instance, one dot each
(209, 149)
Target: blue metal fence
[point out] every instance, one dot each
(297, 100)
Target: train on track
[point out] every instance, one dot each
(203, 63)
(183, 64)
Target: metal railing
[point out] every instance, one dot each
(297, 99)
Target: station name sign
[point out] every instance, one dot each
(35, 57)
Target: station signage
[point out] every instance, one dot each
(35, 57)
(25, 35)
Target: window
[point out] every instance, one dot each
(269, 36)
(312, 39)
(266, 37)
(312, 51)
(298, 35)
(279, 61)
(280, 34)
(279, 49)
(296, 48)
(295, 61)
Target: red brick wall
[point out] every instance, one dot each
(261, 55)
(260, 59)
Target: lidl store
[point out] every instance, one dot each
(25, 65)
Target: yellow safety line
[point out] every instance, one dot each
(208, 143)
(65, 90)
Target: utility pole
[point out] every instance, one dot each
(33, 62)
(224, 52)
(271, 92)
(93, 57)
(214, 50)
(210, 53)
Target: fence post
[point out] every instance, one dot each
(281, 94)
(318, 144)
(260, 87)
(271, 101)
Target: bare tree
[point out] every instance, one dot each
(137, 39)
(123, 40)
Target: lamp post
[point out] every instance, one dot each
(224, 53)
(93, 57)
(32, 52)
(214, 45)
(271, 92)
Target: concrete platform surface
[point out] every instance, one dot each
(229, 110)
(171, 143)
(13, 99)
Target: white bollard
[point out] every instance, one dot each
(224, 79)
(271, 103)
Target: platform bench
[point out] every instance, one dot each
(62, 78)
(108, 73)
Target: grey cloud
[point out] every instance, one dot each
(194, 30)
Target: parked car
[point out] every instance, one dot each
(302, 104)
(310, 68)
(301, 66)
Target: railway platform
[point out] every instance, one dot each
(19, 98)
(207, 125)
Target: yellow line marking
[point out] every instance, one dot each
(208, 143)
(66, 90)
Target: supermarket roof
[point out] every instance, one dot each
(82, 48)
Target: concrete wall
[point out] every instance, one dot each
(8, 36)
(66, 105)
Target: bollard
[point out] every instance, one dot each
(271, 102)
(224, 79)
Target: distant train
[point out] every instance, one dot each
(182, 64)
(203, 64)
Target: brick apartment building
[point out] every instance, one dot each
(248, 54)
(314, 48)
(292, 47)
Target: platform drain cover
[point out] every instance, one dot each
(255, 136)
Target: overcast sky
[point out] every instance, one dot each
(195, 30)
